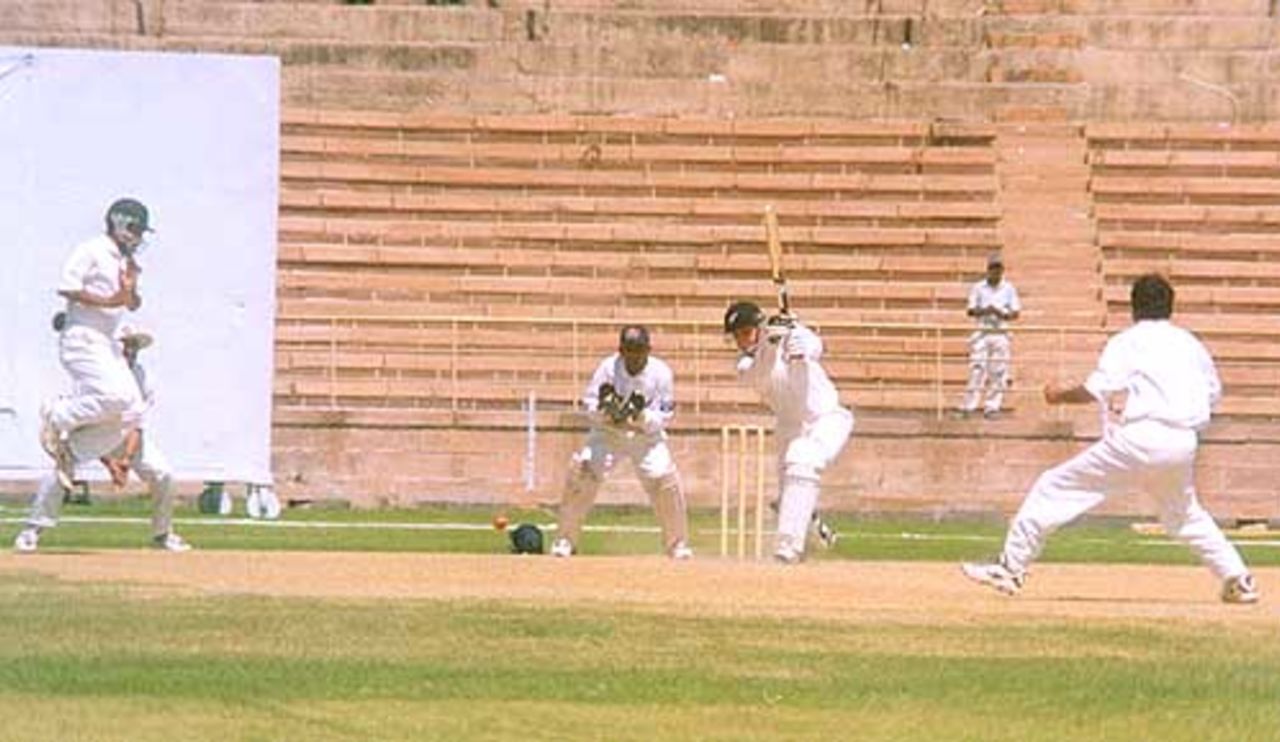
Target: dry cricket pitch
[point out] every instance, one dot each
(842, 592)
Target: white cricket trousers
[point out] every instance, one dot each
(655, 469)
(989, 357)
(103, 390)
(149, 463)
(1145, 455)
(802, 456)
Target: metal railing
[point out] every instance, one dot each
(555, 356)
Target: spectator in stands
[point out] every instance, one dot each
(993, 302)
(630, 400)
(1169, 385)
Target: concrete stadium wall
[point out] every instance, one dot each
(1078, 60)
(939, 469)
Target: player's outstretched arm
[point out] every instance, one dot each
(1073, 394)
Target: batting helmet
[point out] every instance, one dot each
(526, 538)
(742, 314)
(128, 214)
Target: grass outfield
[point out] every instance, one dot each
(95, 663)
(99, 661)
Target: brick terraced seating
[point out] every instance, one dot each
(400, 224)
(1200, 204)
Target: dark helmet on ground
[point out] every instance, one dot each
(128, 214)
(742, 314)
(526, 539)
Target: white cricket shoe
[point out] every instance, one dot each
(1240, 589)
(27, 541)
(562, 548)
(170, 542)
(788, 555)
(994, 575)
(681, 551)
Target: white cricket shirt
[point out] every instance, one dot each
(1002, 295)
(94, 266)
(655, 381)
(1168, 373)
(798, 391)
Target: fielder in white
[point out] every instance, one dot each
(1169, 385)
(100, 283)
(121, 451)
(993, 303)
(630, 401)
(811, 427)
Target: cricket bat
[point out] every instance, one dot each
(775, 260)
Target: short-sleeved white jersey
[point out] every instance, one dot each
(655, 381)
(1002, 295)
(95, 266)
(1168, 374)
(799, 390)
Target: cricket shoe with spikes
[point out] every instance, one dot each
(1241, 590)
(995, 575)
(681, 551)
(789, 551)
(170, 542)
(27, 541)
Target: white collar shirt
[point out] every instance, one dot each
(1167, 374)
(655, 382)
(95, 266)
(798, 391)
(1002, 295)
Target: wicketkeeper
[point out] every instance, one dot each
(630, 400)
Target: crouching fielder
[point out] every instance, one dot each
(1170, 384)
(121, 449)
(629, 401)
(781, 362)
(95, 442)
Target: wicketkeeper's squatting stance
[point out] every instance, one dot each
(630, 400)
(1170, 385)
(781, 361)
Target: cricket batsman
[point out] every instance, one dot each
(779, 358)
